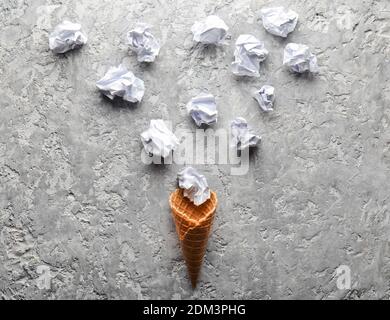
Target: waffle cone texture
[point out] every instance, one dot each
(193, 226)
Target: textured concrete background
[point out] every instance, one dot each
(75, 196)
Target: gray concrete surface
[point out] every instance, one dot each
(75, 196)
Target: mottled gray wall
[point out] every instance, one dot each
(75, 196)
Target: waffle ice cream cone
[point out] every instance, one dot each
(193, 226)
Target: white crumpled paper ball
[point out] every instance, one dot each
(158, 140)
(248, 54)
(211, 30)
(142, 42)
(194, 185)
(66, 36)
(279, 21)
(120, 82)
(298, 58)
